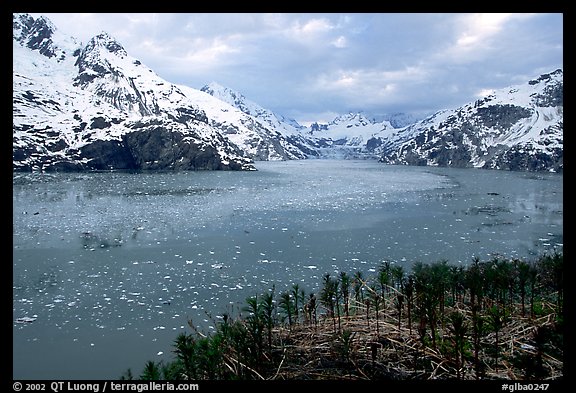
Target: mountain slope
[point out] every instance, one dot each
(269, 136)
(95, 107)
(349, 136)
(517, 128)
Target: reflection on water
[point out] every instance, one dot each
(110, 266)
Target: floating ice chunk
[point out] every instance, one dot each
(26, 319)
(310, 267)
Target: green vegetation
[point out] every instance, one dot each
(499, 319)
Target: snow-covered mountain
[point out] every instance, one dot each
(517, 128)
(349, 136)
(94, 106)
(397, 120)
(268, 133)
(266, 116)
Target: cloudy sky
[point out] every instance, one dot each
(312, 67)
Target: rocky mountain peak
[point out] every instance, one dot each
(106, 41)
(545, 78)
(356, 118)
(94, 59)
(35, 34)
(552, 94)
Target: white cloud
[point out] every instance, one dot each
(311, 27)
(209, 54)
(476, 35)
(370, 78)
(340, 42)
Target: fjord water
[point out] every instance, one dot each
(109, 267)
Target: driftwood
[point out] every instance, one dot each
(319, 351)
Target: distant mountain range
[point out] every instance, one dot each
(95, 107)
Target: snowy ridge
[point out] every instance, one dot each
(350, 136)
(517, 128)
(273, 121)
(41, 35)
(355, 128)
(259, 131)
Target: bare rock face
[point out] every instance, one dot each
(155, 149)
